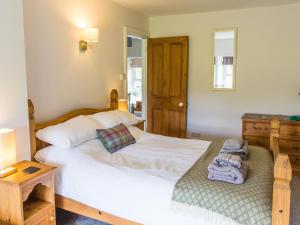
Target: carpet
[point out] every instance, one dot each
(68, 218)
(295, 208)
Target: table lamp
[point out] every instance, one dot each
(123, 105)
(7, 152)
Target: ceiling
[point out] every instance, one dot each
(166, 7)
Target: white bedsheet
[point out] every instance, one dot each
(135, 183)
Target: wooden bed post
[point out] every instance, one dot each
(282, 179)
(31, 129)
(114, 97)
(275, 130)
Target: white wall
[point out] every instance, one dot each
(13, 90)
(268, 65)
(60, 78)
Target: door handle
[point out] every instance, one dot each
(180, 104)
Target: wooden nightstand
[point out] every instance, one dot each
(140, 125)
(28, 198)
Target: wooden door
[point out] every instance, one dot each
(167, 86)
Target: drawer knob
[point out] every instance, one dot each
(51, 218)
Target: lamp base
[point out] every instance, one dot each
(7, 171)
(83, 46)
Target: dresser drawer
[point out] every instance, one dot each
(296, 172)
(290, 131)
(258, 141)
(289, 146)
(258, 128)
(295, 160)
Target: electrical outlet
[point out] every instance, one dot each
(195, 135)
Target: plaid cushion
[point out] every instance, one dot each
(115, 138)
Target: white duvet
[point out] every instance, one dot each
(136, 182)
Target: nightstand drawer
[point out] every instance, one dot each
(42, 216)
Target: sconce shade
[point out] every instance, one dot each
(91, 35)
(7, 148)
(123, 105)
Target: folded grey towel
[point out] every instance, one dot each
(227, 173)
(243, 152)
(225, 159)
(233, 144)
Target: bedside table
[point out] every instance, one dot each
(140, 125)
(28, 199)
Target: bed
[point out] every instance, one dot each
(125, 191)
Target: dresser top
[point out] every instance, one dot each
(268, 117)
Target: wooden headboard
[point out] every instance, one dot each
(36, 144)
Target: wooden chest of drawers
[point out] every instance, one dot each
(256, 130)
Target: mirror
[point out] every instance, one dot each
(224, 52)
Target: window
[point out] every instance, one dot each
(135, 79)
(224, 72)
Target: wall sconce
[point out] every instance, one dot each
(90, 35)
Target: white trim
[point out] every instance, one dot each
(144, 81)
(136, 33)
(143, 35)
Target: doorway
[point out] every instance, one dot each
(136, 71)
(167, 86)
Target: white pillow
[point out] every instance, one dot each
(70, 133)
(107, 119)
(127, 118)
(111, 119)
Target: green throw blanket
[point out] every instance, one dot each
(248, 203)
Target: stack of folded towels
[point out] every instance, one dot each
(236, 146)
(229, 166)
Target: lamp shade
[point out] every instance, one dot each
(7, 148)
(91, 35)
(123, 104)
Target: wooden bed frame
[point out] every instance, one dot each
(282, 169)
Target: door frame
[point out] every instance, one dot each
(143, 35)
